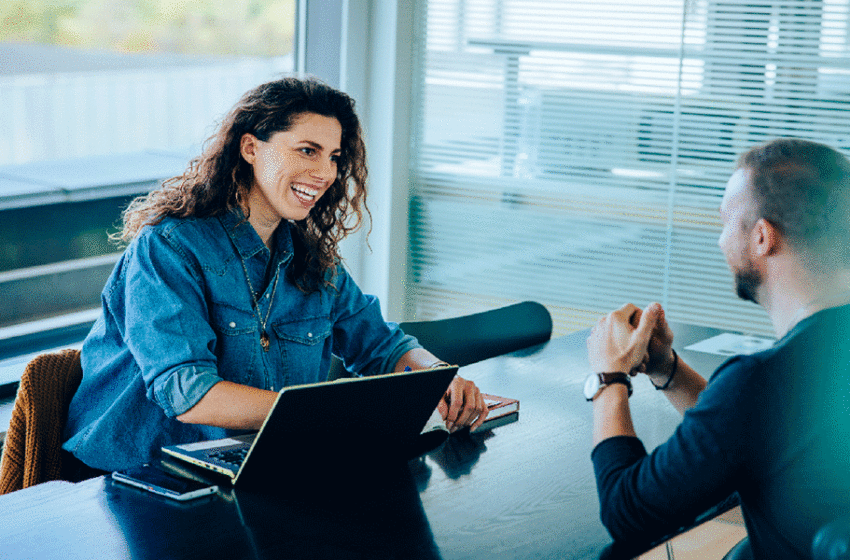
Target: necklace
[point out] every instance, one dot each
(264, 336)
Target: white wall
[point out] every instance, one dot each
(375, 61)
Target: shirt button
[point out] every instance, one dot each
(309, 335)
(267, 296)
(232, 325)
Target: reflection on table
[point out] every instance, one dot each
(523, 490)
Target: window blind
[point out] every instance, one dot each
(575, 153)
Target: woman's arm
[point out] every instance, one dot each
(418, 358)
(462, 404)
(231, 405)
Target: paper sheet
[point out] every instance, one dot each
(730, 344)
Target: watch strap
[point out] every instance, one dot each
(611, 377)
(608, 378)
(624, 380)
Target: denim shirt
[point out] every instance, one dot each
(178, 317)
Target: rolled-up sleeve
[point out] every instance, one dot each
(166, 325)
(401, 344)
(181, 389)
(362, 338)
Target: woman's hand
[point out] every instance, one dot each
(463, 405)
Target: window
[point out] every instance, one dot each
(102, 100)
(576, 152)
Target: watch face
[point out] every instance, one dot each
(591, 386)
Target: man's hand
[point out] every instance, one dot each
(660, 349)
(462, 405)
(620, 340)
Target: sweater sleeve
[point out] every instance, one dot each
(644, 497)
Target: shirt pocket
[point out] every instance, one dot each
(236, 344)
(303, 345)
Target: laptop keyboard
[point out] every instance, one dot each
(231, 456)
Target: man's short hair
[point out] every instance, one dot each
(803, 188)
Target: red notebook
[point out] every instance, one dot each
(502, 410)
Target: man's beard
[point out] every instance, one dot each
(746, 284)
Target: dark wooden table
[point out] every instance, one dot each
(524, 490)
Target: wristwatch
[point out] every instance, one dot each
(595, 382)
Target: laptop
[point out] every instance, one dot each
(315, 429)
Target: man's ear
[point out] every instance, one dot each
(765, 238)
(248, 147)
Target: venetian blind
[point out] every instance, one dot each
(575, 153)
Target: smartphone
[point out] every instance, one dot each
(160, 482)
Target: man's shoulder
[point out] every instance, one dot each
(812, 346)
(742, 366)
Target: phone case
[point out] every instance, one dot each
(159, 482)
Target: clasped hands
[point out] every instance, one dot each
(632, 340)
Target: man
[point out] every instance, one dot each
(773, 426)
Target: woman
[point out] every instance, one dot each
(231, 287)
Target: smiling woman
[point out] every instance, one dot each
(282, 133)
(78, 75)
(231, 287)
(292, 170)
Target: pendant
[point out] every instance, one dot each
(264, 341)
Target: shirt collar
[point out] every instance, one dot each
(248, 242)
(833, 313)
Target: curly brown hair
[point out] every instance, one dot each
(220, 178)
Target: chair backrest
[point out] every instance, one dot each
(741, 551)
(31, 452)
(472, 338)
(832, 541)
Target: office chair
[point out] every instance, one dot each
(472, 338)
(832, 541)
(31, 452)
(741, 551)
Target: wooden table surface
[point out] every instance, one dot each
(523, 490)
